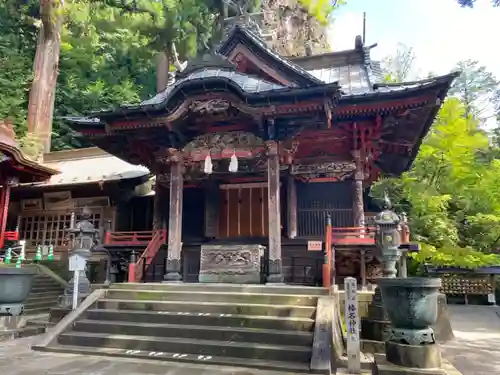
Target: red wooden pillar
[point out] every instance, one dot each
(273, 183)
(4, 207)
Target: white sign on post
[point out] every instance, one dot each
(76, 264)
(314, 245)
(352, 324)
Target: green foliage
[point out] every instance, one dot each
(105, 62)
(31, 146)
(450, 193)
(17, 51)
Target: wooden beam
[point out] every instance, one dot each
(175, 223)
(273, 178)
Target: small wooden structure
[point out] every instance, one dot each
(15, 168)
(249, 147)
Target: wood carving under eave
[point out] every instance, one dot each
(209, 107)
(167, 156)
(345, 111)
(218, 142)
(323, 168)
(288, 150)
(272, 148)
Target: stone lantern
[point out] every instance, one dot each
(387, 238)
(83, 237)
(376, 327)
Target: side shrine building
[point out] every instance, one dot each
(251, 152)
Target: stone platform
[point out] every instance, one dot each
(382, 367)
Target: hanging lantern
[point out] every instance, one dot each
(208, 167)
(233, 165)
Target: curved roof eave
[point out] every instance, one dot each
(201, 83)
(33, 166)
(387, 90)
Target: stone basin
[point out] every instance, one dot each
(15, 286)
(411, 302)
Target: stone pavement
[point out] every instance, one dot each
(476, 348)
(16, 358)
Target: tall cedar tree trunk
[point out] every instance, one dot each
(162, 67)
(45, 72)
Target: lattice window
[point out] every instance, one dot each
(48, 228)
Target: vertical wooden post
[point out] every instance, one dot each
(357, 201)
(328, 263)
(4, 204)
(363, 269)
(292, 207)
(175, 221)
(157, 212)
(273, 183)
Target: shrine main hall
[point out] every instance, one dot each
(252, 151)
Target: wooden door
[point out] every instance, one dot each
(243, 211)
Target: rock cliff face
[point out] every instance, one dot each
(291, 30)
(285, 25)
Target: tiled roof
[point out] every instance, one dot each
(245, 82)
(97, 166)
(353, 79)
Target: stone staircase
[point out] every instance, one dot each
(266, 327)
(44, 295)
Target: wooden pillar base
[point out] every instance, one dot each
(275, 272)
(173, 271)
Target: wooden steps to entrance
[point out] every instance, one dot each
(265, 327)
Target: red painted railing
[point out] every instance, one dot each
(362, 235)
(128, 238)
(135, 271)
(353, 236)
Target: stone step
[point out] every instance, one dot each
(225, 288)
(21, 332)
(203, 319)
(210, 307)
(189, 346)
(49, 288)
(217, 333)
(39, 305)
(198, 296)
(45, 294)
(272, 367)
(37, 310)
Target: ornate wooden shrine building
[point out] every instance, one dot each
(15, 168)
(249, 147)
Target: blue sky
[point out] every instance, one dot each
(434, 28)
